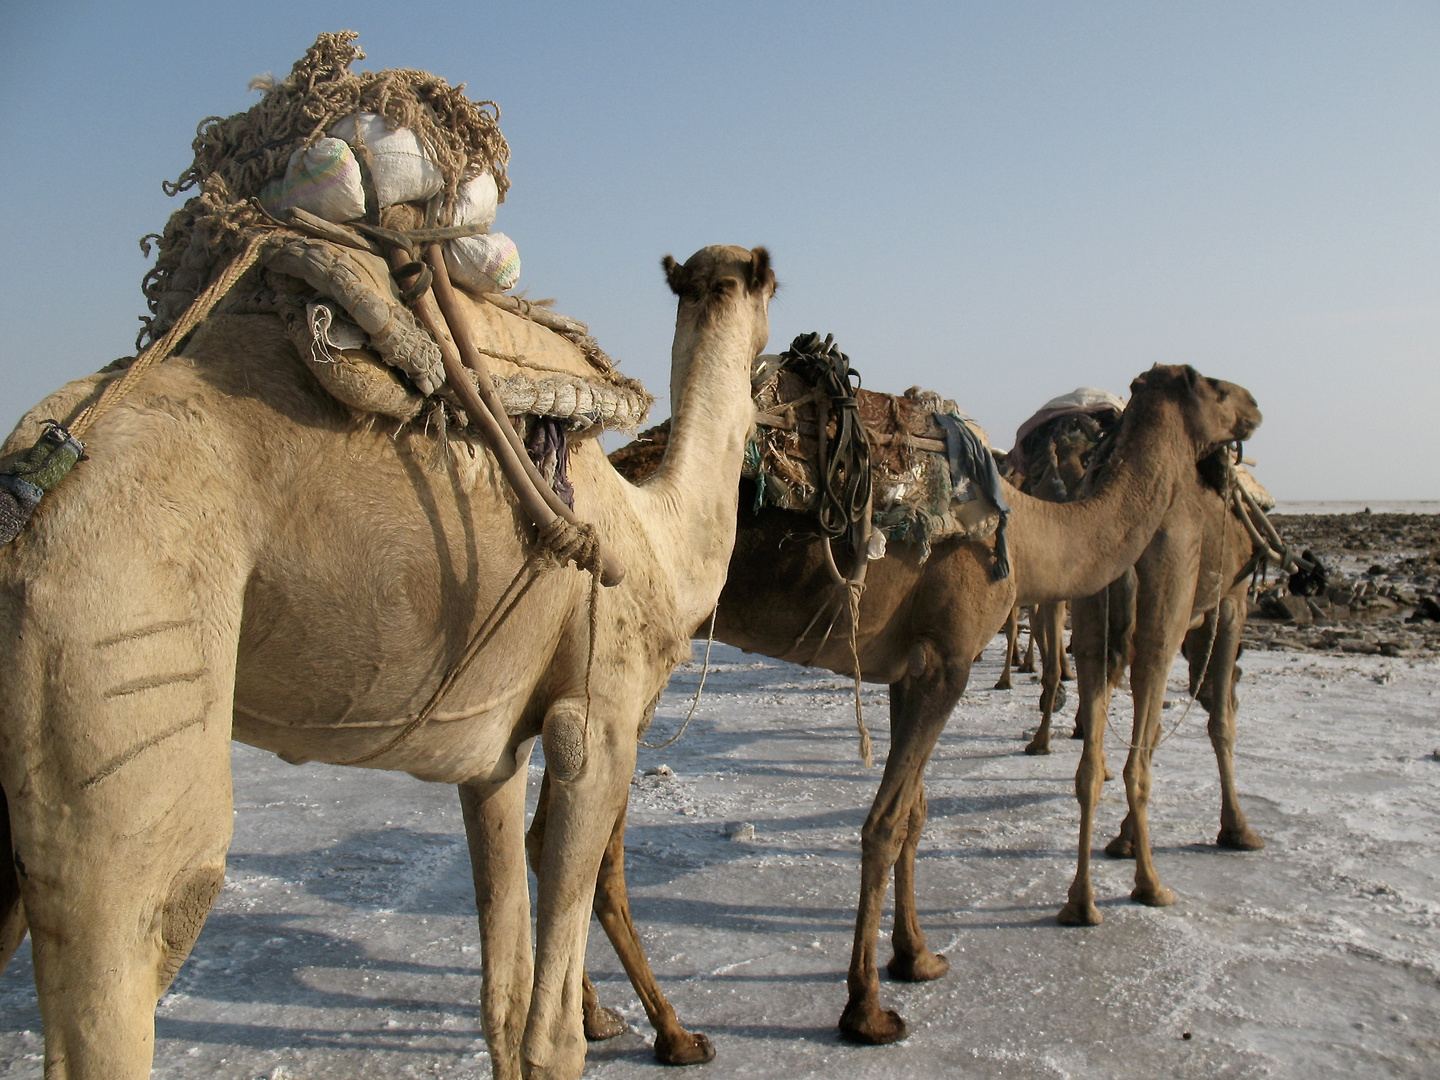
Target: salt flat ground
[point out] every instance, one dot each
(344, 944)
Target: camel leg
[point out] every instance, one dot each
(1094, 694)
(1220, 703)
(1163, 605)
(117, 875)
(1049, 623)
(673, 1044)
(1067, 670)
(1027, 665)
(600, 1023)
(920, 704)
(913, 961)
(582, 815)
(12, 911)
(1012, 632)
(494, 816)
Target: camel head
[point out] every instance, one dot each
(1216, 412)
(716, 279)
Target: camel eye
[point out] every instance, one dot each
(1220, 391)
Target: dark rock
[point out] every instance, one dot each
(1310, 582)
(1425, 608)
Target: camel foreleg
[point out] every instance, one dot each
(582, 813)
(494, 819)
(673, 1044)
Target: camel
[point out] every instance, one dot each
(1192, 585)
(921, 626)
(1059, 480)
(239, 557)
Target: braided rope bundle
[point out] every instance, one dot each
(236, 156)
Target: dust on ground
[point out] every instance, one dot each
(344, 943)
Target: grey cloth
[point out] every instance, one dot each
(969, 459)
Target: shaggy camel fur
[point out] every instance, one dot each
(922, 624)
(239, 548)
(1197, 567)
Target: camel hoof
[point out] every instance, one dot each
(1122, 847)
(1036, 748)
(1159, 896)
(1109, 773)
(1240, 840)
(602, 1023)
(1003, 684)
(687, 1048)
(867, 1025)
(1086, 914)
(1079, 733)
(921, 968)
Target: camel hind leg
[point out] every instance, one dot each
(12, 911)
(115, 712)
(1012, 632)
(1216, 690)
(118, 868)
(1049, 624)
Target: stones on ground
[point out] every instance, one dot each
(1425, 608)
(660, 770)
(739, 832)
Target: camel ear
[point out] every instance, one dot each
(672, 273)
(761, 276)
(1192, 377)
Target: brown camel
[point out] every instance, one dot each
(1197, 567)
(1067, 457)
(921, 626)
(239, 557)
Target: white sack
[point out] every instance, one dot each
(323, 180)
(476, 201)
(401, 171)
(483, 264)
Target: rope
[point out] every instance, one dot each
(1226, 496)
(704, 671)
(194, 315)
(844, 469)
(478, 640)
(854, 590)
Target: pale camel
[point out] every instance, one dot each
(240, 556)
(922, 624)
(1197, 567)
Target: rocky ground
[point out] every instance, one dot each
(1381, 597)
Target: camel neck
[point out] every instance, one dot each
(696, 488)
(1066, 550)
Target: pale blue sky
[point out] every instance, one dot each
(997, 201)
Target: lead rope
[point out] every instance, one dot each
(704, 671)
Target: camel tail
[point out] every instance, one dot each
(12, 912)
